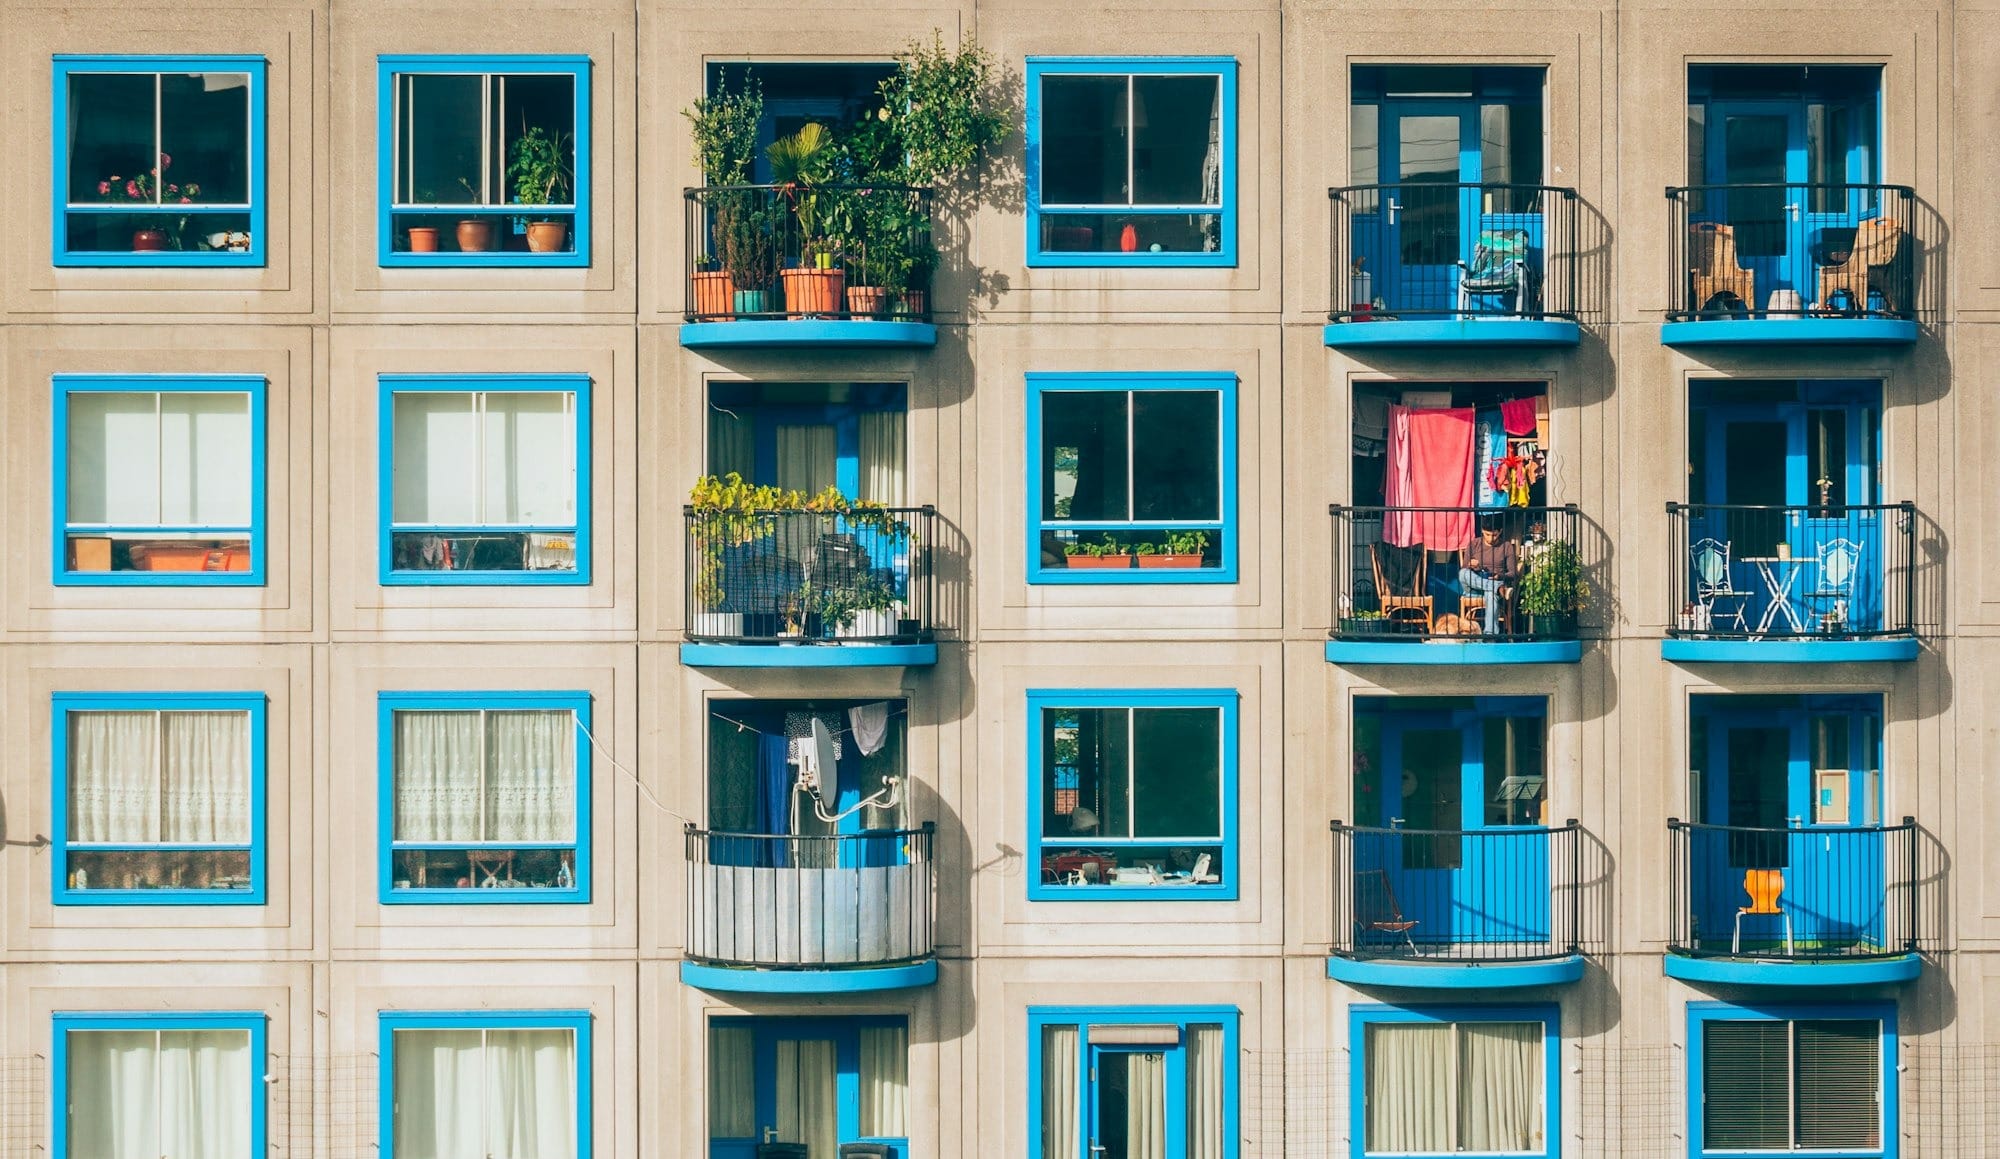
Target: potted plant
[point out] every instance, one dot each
(474, 234)
(1364, 624)
(731, 273)
(1183, 549)
(1553, 590)
(728, 513)
(540, 171)
(714, 290)
(156, 231)
(423, 239)
(800, 164)
(876, 614)
(1108, 552)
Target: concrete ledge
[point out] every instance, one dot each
(1455, 975)
(1446, 652)
(1484, 331)
(813, 655)
(744, 980)
(1774, 651)
(808, 332)
(1789, 332)
(1775, 972)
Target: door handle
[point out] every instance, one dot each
(1793, 209)
(1096, 1149)
(1395, 207)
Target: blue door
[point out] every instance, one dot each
(801, 1081)
(1762, 145)
(1137, 1106)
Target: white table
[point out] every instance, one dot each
(1780, 575)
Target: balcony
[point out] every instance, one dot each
(1457, 909)
(1784, 265)
(1805, 584)
(1397, 599)
(833, 266)
(1815, 905)
(809, 915)
(1438, 264)
(810, 589)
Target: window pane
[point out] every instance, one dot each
(1840, 1085)
(441, 146)
(113, 1111)
(1207, 1092)
(530, 453)
(1502, 1061)
(1085, 758)
(531, 1094)
(547, 103)
(531, 776)
(113, 794)
(1084, 455)
(205, 134)
(440, 1107)
(1084, 140)
(885, 1081)
(205, 777)
(1175, 469)
(205, 443)
(1364, 149)
(1745, 1085)
(205, 1090)
(114, 458)
(1130, 1092)
(110, 130)
(437, 776)
(1176, 143)
(436, 473)
(1516, 786)
(1411, 1088)
(1177, 772)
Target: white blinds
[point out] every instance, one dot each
(480, 776)
(171, 778)
(169, 1094)
(1470, 1086)
(484, 458)
(146, 459)
(485, 1094)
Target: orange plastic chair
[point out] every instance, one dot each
(1763, 886)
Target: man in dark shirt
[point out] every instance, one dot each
(1489, 563)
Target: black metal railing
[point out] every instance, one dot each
(1400, 574)
(832, 251)
(1793, 251)
(1454, 895)
(862, 575)
(1805, 892)
(810, 903)
(1818, 571)
(1423, 250)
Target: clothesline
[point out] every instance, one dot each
(837, 733)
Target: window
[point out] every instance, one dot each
(514, 1085)
(159, 161)
(1792, 1079)
(821, 1082)
(1133, 794)
(485, 161)
(1131, 161)
(158, 798)
(159, 479)
(1132, 478)
(485, 796)
(1132, 1081)
(172, 1085)
(1469, 1079)
(487, 479)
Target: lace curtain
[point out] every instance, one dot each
(474, 776)
(169, 778)
(170, 1094)
(507, 1094)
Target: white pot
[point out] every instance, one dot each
(870, 623)
(718, 624)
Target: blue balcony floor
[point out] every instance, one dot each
(1789, 332)
(747, 980)
(808, 333)
(1453, 652)
(817, 654)
(1781, 972)
(1476, 331)
(1772, 650)
(1449, 975)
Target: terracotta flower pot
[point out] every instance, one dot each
(1083, 562)
(475, 236)
(867, 301)
(811, 292)
(148, 240)
(423, 239)
(714, 295)
(546, 237)
(1169, 561)
(915, 304)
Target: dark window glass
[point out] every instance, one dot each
(1084, 140)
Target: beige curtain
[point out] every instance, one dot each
(808, 1106)
(885, 1082)
(531, 1094)
(1145, 1105)
(1060, 1128)
(806, 458)
(169, 777)
(485, 1094)
(732, 443)
(1411, 1088)
(437, 776)
(1502, 1062)
(1206, 1067)
(732, 1083)
(882, 437)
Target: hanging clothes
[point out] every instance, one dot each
(1399, 527)
(1436, 453)
(1518, 415)
(1490, 445)
(870, 723)
(774, 792)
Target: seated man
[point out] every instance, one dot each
(1487, 565)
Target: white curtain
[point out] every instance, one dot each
(882, 439)
(531, 1107)
(1145, 1105)
(174, 1094)
(1502, 1063)
(519, 785)
(529, 474)
(732, 1083)
(806, 458)
(169, 777)
(473, 459)
(1206, 1070)
(485, 1094)
(732, 443)
(437, 776)
(531, 776)
(885, 1082)
(808, 1103)
(1060, 1080)
(1411, 1088)
(146, 459)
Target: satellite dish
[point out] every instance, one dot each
(822, 754)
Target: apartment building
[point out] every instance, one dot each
(1396, 581)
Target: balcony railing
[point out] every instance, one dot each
(1805, 893)
(829, 252)
(1413, 251)
(1452, 895)
(791, 576)
(809, 903)
(1397, 574)
(1824, 571)
(1793, 251)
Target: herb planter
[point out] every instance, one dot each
(475, 236)
(423, 239)
(870, 624)
(547, 237)
(714, 294)
(1169, 561)
(813, 292)
(1100, 562)
(867, 301)
(914, 304)
(1551, 627)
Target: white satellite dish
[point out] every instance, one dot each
(819, 756)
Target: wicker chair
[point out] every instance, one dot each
(1875, 245)
(1405, 603)
(1714, 269)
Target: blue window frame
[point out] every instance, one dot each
(1404, 1063)
(1806, 1081)
(451, 132)
(1131, 161)
(803, 1079)
(527, 1065)
(1132, 794)
(1122, 462)
(1099, 1077)
(484, 797)
(159, 161)
(158, 798)
(485, 479)
(129, 1083)
(159, 479)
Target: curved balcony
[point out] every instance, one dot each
(1397, 600)
(1440, 264)
(1457, 908)
(1786, 265)
(830, 266)
(806, 915)
(810, 589)
(1806, 584)
(1812, 905)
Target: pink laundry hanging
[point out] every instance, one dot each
(1430, 465)
(1517, 416)
(1398, 527)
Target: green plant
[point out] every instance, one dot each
(745, 227)
(1186, 542)
(152, 190)
(1554, 583)
(1145, 547)
(800, 164)
(873, 595)
(725, 129)
(539, 167)
(940, 110)
(730, 513)
(1109, 545)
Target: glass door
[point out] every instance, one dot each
(811, 1083)
(1428, 149)
(1759, 149)
(1131, 1088)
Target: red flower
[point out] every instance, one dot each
(131, 189)
(103, 188)
(165, 161)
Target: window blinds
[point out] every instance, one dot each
(484, 459)
(146, 459)
(1774, 1085)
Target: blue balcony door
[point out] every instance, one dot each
(806, 1079)
(1137, 1101)
(1758, 143)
